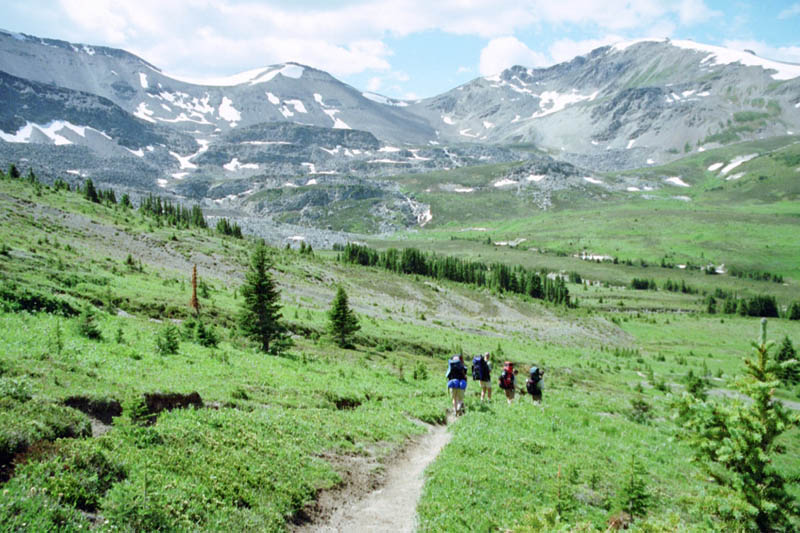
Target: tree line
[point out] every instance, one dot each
(497, 276)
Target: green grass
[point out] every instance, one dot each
(259, 451)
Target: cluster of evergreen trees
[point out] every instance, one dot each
(228, 228)
(96, 195)
(756, 275)
(497, 276)
(171, 214)
(642, 284)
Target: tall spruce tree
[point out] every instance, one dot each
(259, 317)
(90, 193)
(343, 321)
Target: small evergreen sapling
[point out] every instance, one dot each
(736, 444)
(168, 340)
(786, 365)
(634, 496)
(343, 321)
(87, 325)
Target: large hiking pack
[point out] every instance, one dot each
(506, 380)
(456, 368)
(534, 377)
(480, 369)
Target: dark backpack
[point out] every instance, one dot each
(456, 369)
(506, 380)
(532, 385)
(480, 369)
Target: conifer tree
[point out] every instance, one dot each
(736, 443)
(90, 193)
(259, 317)
(343, 321)
(13, 171)
(786, 370)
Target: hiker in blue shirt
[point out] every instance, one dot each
(457, 382)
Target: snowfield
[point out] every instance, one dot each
(228, 112)
(676, 180)
(735, 162)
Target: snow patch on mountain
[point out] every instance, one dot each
(595, 181)
(715, 167)
(274, 100)
(447, 120)
(536, 178)
(718, 55)
(383, 100)
(137, 153)
(552, 101)
(624, 45)
(505, 182)
(228, 112)
(297, 104)
(676, 180)
(253, 76)
(736, 161)
(289, 70)
(52, 130)
(144, 113)
(338, 124)
(235, 165)
(143, 80)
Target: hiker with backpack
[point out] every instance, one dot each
(481, 372)
(534, 384)
(457, 382)
(508, 380)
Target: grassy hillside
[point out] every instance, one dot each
(746, 216)
(83, 444)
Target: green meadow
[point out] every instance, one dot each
(82, 448)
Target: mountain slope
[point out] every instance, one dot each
(640, 103)
(288, 92)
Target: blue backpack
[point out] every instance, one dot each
(456, 368)
(480, 369)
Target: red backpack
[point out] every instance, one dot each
(507, 376)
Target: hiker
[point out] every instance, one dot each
(534, 384)
(457, 382)
(508, 380)
(481, 372)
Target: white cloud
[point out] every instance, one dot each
(203, 38)
(791, 11)
(505, 52)
(566, 49)
(790, 54)
(694, 11)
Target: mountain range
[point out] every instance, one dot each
(240, 144)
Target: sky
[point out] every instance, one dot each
(399, 48)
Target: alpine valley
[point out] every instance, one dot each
(289, 150)
(620, 226)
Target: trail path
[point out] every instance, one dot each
(392, 506)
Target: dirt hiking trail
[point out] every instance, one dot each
(391, 505)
